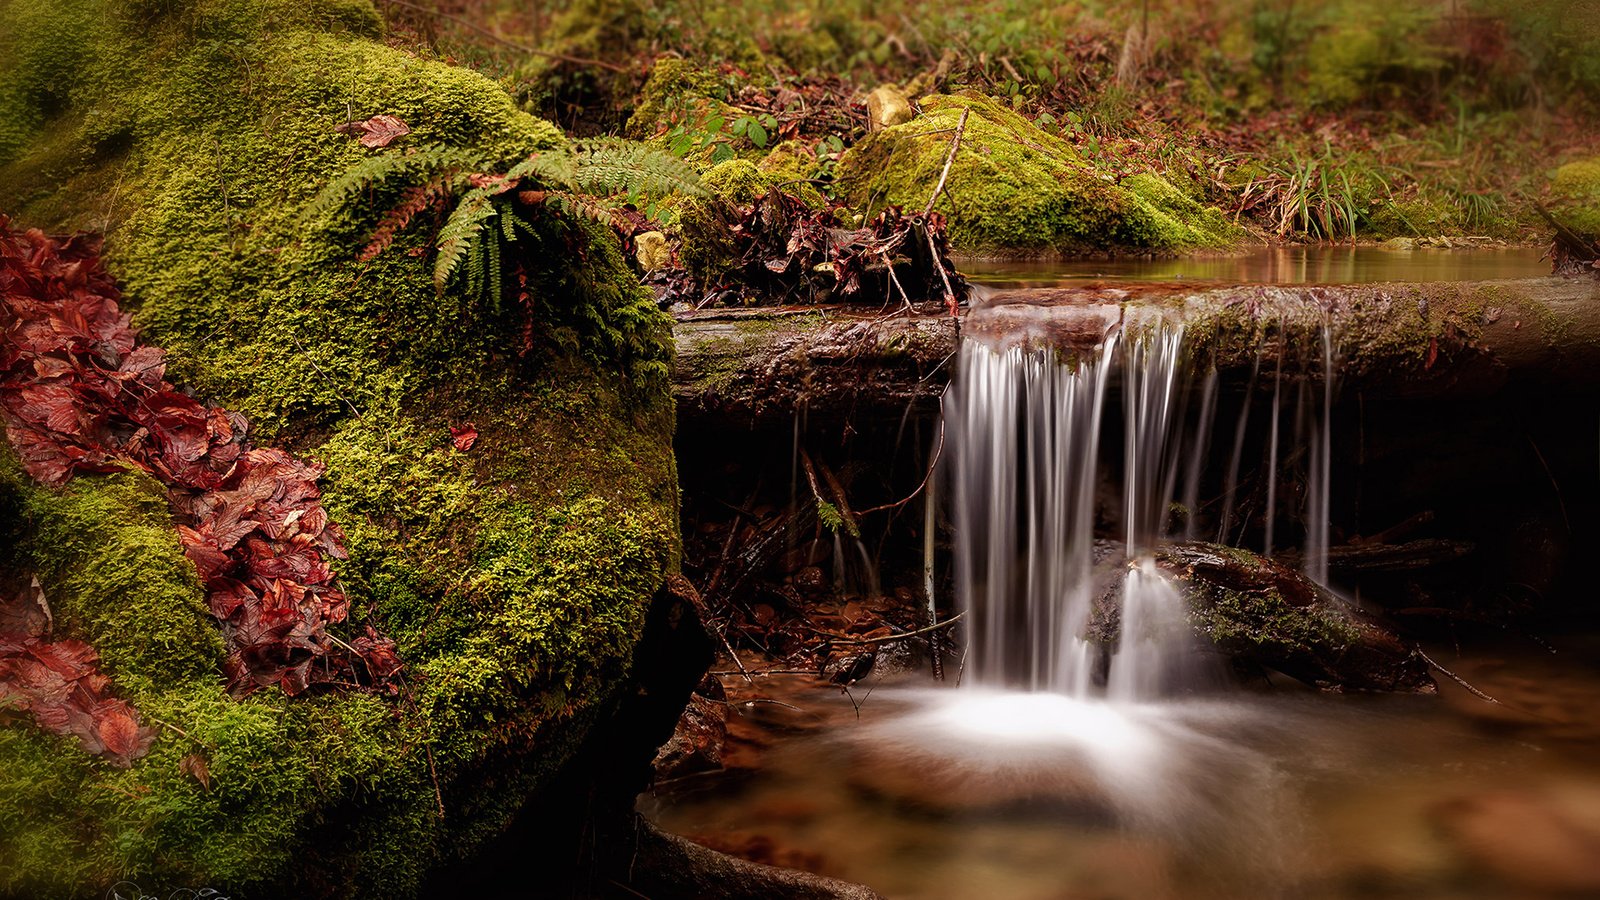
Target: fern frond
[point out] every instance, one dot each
(551, 169)
(583, 206)
(459, 233)
(413, 203)
(610, 167)
(375, 171)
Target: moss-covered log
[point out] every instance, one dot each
(514, 575)
(753, 366)
(1412, 340)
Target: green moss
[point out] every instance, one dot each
(1014, 187)
(514, 577)
(673, 83)
(1575, 189)
(1238, 622)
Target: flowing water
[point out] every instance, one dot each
(952, 794)
(1067, 766)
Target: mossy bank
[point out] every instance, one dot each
(1013, 188)
(515, 575)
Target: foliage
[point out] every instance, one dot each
(58, 683)
(199, 134)
(78, 394)
(591, 179)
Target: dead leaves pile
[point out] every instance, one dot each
(78, 395)
(58, 684)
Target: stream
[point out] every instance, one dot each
(1048, 767)
(1313, 264)
(920, 794)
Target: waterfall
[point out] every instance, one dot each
(1024, 432)
(1024, 421)
(1025, 426)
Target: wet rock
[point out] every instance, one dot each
(810, 580)
(1527, 839)
(1260, 611)
(886, 106)
(697, 742)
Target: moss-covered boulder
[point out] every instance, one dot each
(1575, 196)
(1015, 188)
(514, 575)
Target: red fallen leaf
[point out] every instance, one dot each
(119, 731)
(194, 765)
(377, 132)
(78, 394)
(1433, 353)
(57, 684)
(464, 437)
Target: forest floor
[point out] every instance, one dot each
(1433, 124)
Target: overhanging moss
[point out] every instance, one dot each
(514, 577)
(1013, 187)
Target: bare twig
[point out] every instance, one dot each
(326, 377)
(955, 145)
(438, 795)
(1454, 677)
(889, 638)
(932, 464)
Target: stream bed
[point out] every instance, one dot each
(938, 792)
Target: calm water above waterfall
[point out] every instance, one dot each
(1283, 265)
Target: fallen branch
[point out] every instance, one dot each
(955, 145)
(933, 464)
(889, 638)
(1454, 677)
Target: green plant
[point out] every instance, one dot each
(1319, 195)
(595, 179)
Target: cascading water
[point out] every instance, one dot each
(1025, 428)
(1025, 422)
(1024, 431)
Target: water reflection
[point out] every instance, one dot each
(1279, 265)
(933, 794)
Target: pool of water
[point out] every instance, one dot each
(1278, 265)
(931, 792)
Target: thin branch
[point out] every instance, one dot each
(955, 145)
(326, 377)
(937, 451)
(1456, 678)
(890, 638)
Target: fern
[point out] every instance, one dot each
(590, 179)
(417, 165)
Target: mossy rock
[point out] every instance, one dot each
(1015, 188)
(514, 577)
(674, 83)
(1575, 196)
